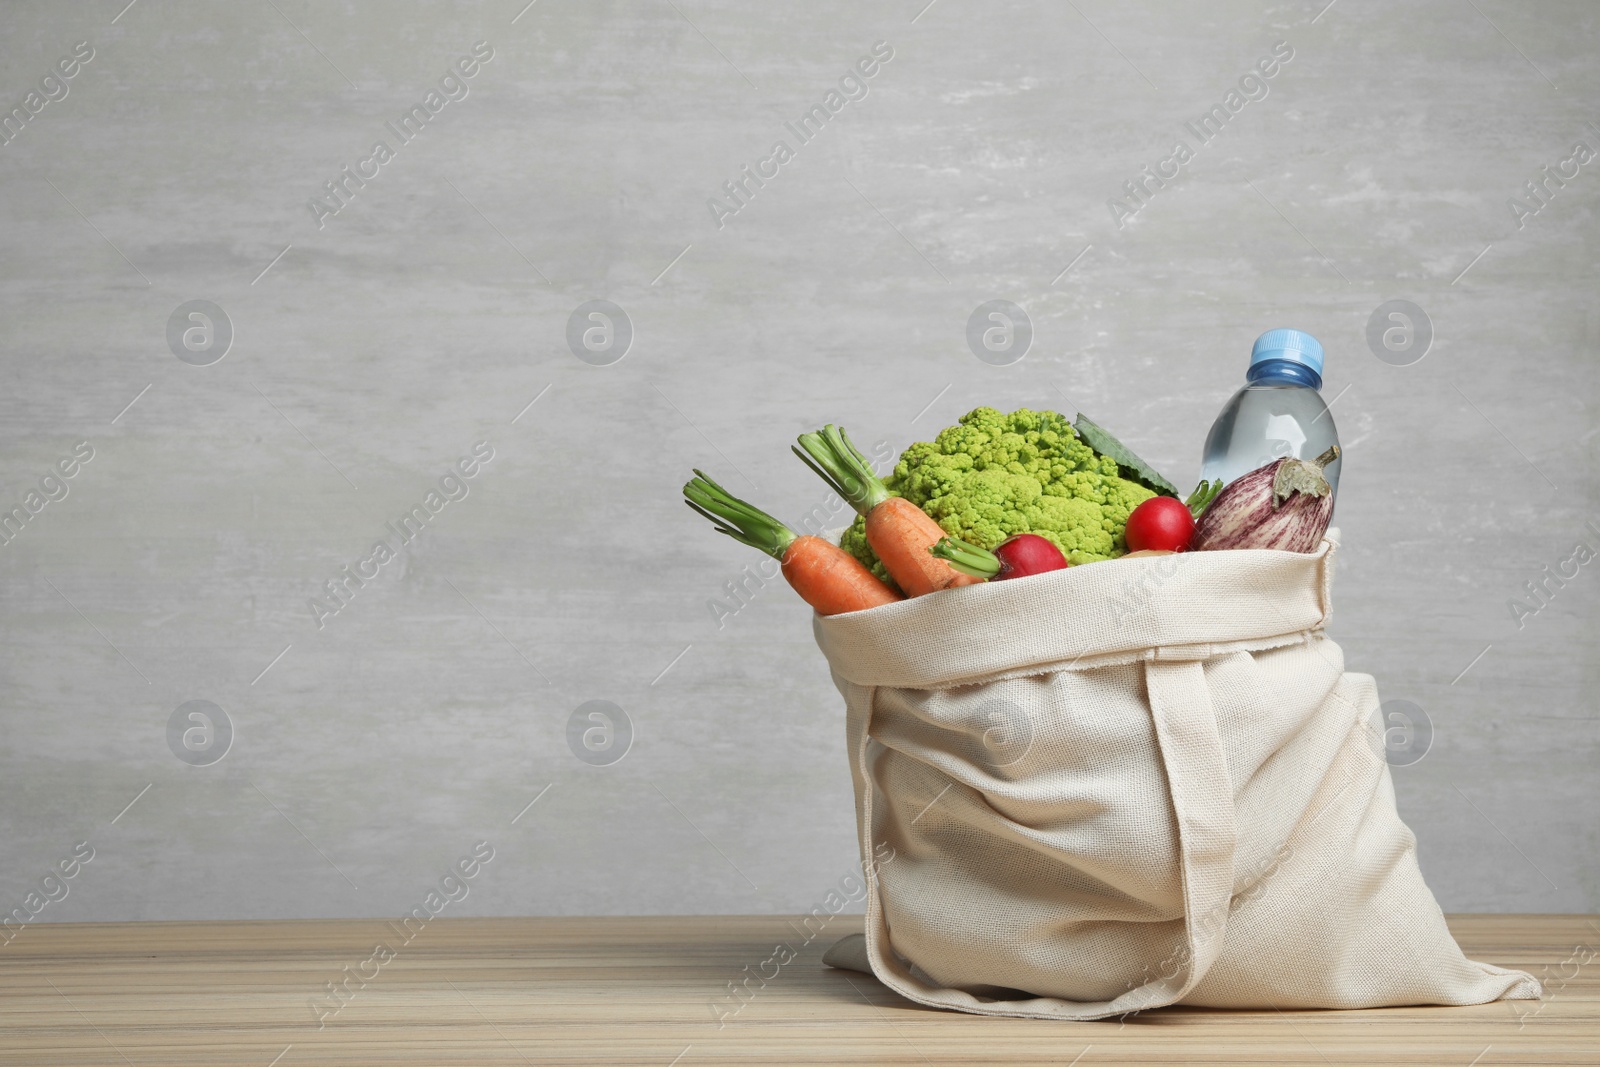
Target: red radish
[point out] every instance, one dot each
(1162, 522)
(1025, 554)
(1016, 557)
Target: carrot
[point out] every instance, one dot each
(827, 577)
(898, 531)
(830, 579)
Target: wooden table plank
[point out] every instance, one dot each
(642, 990)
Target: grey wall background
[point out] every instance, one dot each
(372, 352)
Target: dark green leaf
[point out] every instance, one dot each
(1130, 465)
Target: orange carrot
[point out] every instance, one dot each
(898, 531)
(901, 534)
(827, 577)
(831, 579)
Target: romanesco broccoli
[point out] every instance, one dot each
(993, 475)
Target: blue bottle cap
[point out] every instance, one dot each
(1294, 345)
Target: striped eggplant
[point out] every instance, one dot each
(1284, 505)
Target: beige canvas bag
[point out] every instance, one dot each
(1130, 784)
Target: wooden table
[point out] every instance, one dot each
(642, 991)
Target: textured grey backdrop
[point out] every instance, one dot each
(374, 345)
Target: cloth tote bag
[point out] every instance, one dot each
(1137, 783)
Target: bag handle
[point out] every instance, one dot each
(1202, 803)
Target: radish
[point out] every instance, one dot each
(1016, 557)
(1160, 522)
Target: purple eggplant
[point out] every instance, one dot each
(1284, 505)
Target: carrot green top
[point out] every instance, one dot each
(830, 452)
(966, 557)
(743, 522)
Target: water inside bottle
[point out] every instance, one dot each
(1265, 421)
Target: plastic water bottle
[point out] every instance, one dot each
(1279, 412)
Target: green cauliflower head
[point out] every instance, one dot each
(993, 475)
